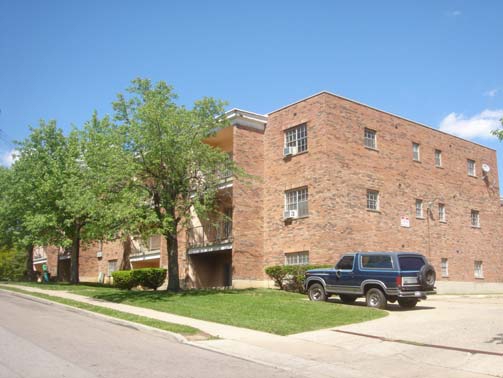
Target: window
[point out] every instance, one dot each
(297, 200)
(370, 140)
(346, 263)
(415, 152)
(419, 208)
(475, 218)
(438, 158)
(470, 165)
(100, 245)
(297, 258)
(376, 261)
(479, 273)
(372, 200)
(296, 137)
(112, 267)
(410, 262)
(444, 267)
(441, 212)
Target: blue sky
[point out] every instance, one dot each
(435, 62)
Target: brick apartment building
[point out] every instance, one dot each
(332, 176)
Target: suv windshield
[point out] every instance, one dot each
(411, 262)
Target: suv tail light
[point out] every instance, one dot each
(399, 281)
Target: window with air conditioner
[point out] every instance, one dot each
(295, 140)
(296, 203)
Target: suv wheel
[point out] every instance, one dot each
(407, 302)
(346, 298)
(375, 298)
(317, 293)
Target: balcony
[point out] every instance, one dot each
(65, 253)
(146, 250)
(39, 255)
(210, 238)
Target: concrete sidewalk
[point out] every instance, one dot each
(324, 353)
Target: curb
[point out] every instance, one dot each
(178, 338)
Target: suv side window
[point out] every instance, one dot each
(346, 263)
(376, 261)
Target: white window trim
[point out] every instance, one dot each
(377, 200)
(478, 273)
(295, 142)
(373, 139)
(301, 258)
(421, 209)
(444, 267)
(442, 216)
(471, 172)
(477, 213)
(296, 203)
(414, 144)
(439, 155)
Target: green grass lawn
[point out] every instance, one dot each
(265, 310)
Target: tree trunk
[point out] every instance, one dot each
(30, 273)
(173, 279)
(126, 253)
(74, 273)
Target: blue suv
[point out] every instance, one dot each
(380, 277)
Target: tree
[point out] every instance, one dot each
(499, 132)
(79, 185)
(175, 168)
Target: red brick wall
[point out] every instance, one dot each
(248, 216)
(338, 170)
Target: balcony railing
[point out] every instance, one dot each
(208, 235)
(152, 246)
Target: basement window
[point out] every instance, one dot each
(297, 258)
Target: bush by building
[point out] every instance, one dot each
(150, 278)
(290, 277)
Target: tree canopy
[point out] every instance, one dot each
(146, 170)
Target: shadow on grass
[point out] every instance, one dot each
(162, 295)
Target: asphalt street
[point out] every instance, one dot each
(46, 340)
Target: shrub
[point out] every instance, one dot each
(124, 279)
(12, 267)
(291, 277)
(277, 274)
(150, 277)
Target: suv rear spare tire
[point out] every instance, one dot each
(376, 298)
(316, 292)
(426, 277)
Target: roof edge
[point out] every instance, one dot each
(381, 111)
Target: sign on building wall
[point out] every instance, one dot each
(404, 221)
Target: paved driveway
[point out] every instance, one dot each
(471, 322)
(465, 322)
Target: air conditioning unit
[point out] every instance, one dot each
(99, 254)
(288, 151)
(289, 214)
